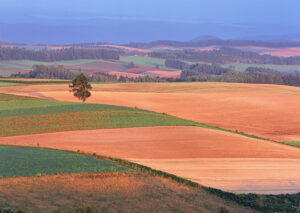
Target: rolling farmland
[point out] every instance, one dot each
(144, 66)
(202, 155)
(145, 107)
(211, 148)
(25, 115)
(268, 111)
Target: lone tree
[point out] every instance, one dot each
(81, 87)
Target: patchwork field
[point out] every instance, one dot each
(269, 111)
(145, 66)
(213, 158)
(26, 115)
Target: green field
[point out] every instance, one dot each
(144, 61)
(27, 64)
(24, 115)
(293, 143)
(282, 68)
(25, 161)
(5, 84)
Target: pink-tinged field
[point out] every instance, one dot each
(282, 52)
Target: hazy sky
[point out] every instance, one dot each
(231, 11)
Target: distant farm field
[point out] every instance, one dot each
(25, 161)
(24, 81)
(282, 68)
(25, 115)
(143, 66)
(144, 61)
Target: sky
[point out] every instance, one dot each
(122, 21)
(194, 11)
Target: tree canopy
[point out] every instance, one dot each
(81, 87)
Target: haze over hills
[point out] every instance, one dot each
(54, 27)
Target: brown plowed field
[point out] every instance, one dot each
(214, 158)
(269, 111)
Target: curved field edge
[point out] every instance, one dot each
(108, 192)
(45, 116)
(262, 203)
(20, 115)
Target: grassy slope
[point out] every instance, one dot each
(25, 161)
(24, 115)
(108, 192)
(148, 190)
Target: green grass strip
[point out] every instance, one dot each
(25, 125)
(54, 107)
(293, 143)
(28, 161)
(234, 132)
(6, 84)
